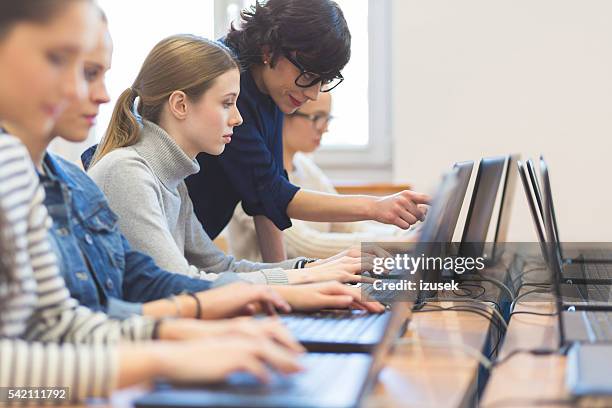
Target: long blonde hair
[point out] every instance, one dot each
(185, 63)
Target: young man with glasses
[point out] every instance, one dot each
(303, 131)
(291, 51)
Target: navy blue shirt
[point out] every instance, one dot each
(249, 170)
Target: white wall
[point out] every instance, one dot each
(486, 77)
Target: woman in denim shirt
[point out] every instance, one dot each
(101, 269)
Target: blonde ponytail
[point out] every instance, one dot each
(123, 129)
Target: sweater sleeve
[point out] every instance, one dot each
(135, 196)
(202, 252)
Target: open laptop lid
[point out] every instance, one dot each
(463, 171)
(481, 207)
(505, 207)
(437, 232)
(554, 259)
(545, 175)
(538, 223)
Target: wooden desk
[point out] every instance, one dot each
(525, 379)
(422, 375)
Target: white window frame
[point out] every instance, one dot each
(377, 153)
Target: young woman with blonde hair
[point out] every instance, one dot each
(186, 91)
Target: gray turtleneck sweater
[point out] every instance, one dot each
(144, 184)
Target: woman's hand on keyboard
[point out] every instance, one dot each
(239, 299)
(248, 327)
(210, 360)
(345, 270)
(326, 295)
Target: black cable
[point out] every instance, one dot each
(470, 285)
(492, 318)
(542, 285)
(467, 294)
(534, 352)
(534, 313)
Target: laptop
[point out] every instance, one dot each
(486, 186)
(588, 374)
(442, 219)
(585, 256)
(578, 289)
(502, 222)
(589, 325)
(334, 380)
(438, 227)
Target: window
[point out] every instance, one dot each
(361, 133)
(136, 26)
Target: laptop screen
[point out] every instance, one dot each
(481, 208)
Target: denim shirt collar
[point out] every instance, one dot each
(56, 173)
(169, 162)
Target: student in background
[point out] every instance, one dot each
(302, 134)
(45, 338)
(187, 88)
(291, 51)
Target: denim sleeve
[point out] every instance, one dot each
(144, 281)
(121, 310)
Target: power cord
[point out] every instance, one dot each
(534, 352)
(522, 295)
(496, 282)
(495, 319)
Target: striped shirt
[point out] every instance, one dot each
(46, 338)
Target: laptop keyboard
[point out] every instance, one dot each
(330, 327)
(314, 378)
(598, 271)
(600, 324)
(597, 293)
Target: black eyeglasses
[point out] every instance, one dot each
(319, 120)
(306, 79)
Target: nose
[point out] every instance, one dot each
(236, 119)
(99, 94)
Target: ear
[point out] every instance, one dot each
(177, 103)
(266, 56)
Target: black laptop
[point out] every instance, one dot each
(346, 331)
(482, 204)
(579, 287)
(333, 380)
(584, 256)
(590, 324)
(502, 220)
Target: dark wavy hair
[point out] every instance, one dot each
(315, 29)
